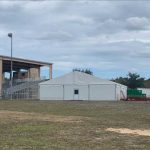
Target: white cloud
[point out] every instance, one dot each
(79, 19)
(136, 23)
(107, 36)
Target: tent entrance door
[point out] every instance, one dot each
(76, 94)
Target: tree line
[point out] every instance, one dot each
(133, 81)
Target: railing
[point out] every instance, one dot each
(25, 87)
(29, 79)
(24, 80)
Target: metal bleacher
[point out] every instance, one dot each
(22, 88)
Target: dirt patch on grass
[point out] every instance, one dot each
(22, 116)
(129, 131)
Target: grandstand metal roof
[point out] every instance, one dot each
(19, 63)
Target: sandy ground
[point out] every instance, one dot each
(22, 116)
(129, 131)
(15, 116)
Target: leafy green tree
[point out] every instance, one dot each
(133, 80)
(87, 71)
(147, 83)
(120, 80)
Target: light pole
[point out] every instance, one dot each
(11, 67)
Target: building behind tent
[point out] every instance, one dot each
(145, 91)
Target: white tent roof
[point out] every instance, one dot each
(78, 78)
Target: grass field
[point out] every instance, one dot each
(73, 125)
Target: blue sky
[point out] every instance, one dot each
(111, 38)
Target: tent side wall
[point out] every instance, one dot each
(95, 92)
(145, 91)
(121, 92)
(124, 92)
(63, 92)
(69, 92)
(102, 92)
(51, 92)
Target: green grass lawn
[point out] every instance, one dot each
(73, 125)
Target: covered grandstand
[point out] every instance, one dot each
(26, 77)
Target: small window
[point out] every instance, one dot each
(76, 91)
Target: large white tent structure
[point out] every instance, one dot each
(81, 86)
